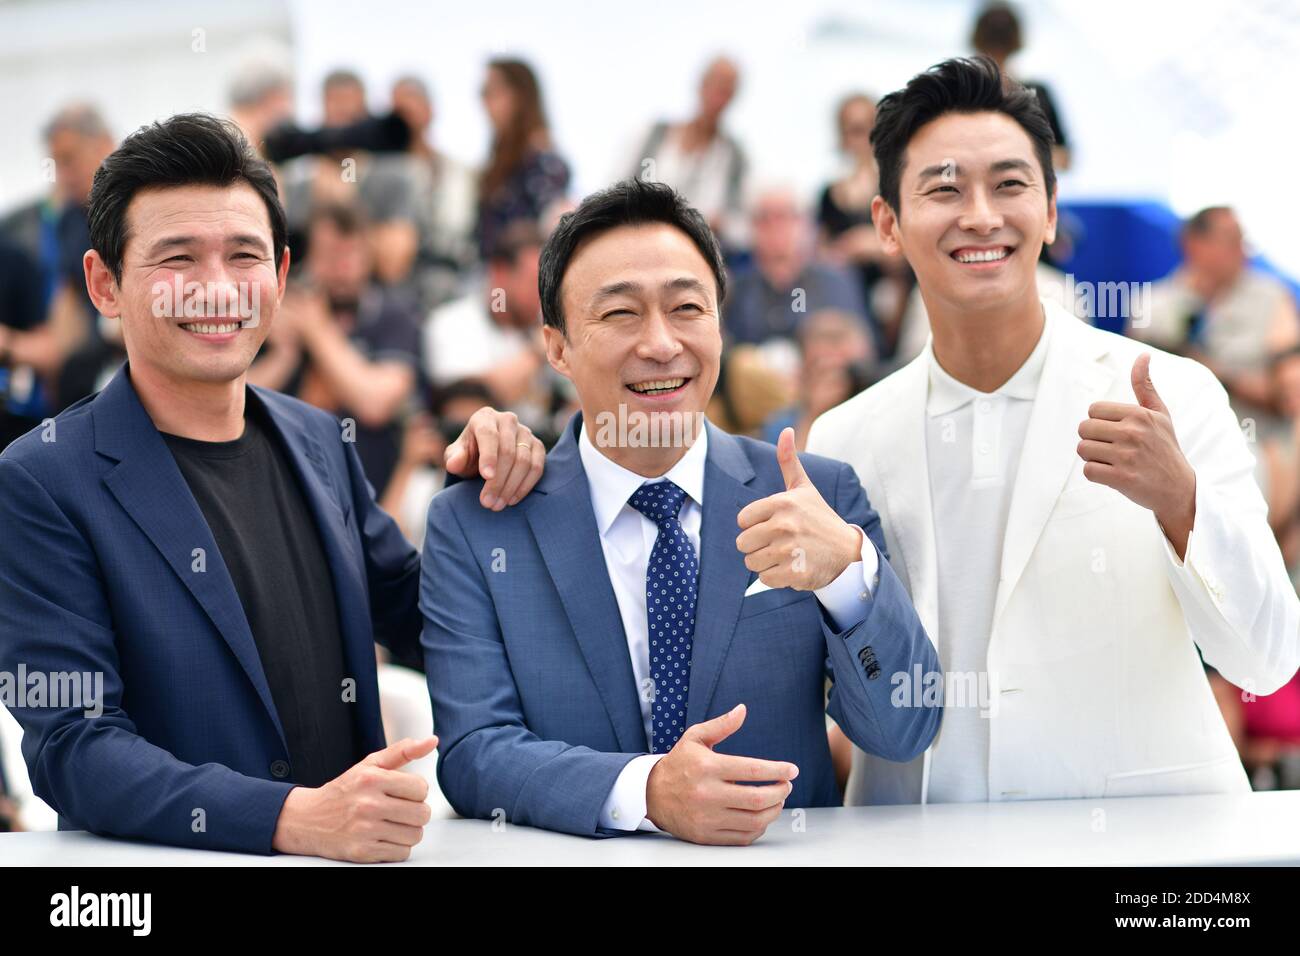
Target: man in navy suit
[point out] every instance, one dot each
(194, 573)
(644, 642)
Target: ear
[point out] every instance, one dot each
(103, 288)
(282, 274)
(555, 350)
(886, 223)
(1049, 234)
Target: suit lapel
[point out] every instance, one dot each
(723, 575)
(564, 527)
(1071, 380)
(150, 488)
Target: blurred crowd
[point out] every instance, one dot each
(413, 295)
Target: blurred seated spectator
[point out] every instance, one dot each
(524, 177)
(20, 809)
(1222, 311)
(997, 35)
(419, 474)
(1266, 730)
(382, 184)
(1272, 738)
(836, 362)
(445, 201)
(67, 355)
(344, 343)
(261, 97)
(770, 298)
(24, 337)
(845, 234)
(10, 820)
(493, 334)
(699, 158)
(1276, 437)
(751, 389)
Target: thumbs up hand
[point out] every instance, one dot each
(794, 539)
(372, 812)
(1133, 449)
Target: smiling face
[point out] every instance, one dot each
(974, 213)
(218, 238)
(642, 331)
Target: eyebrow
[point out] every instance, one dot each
(1001, 166)
(175, 242)
(628, 287)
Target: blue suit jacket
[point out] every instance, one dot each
(533, 695)
(97, 574)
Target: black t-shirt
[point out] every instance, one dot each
(1048, 103)
(837, 220)
(266, 533)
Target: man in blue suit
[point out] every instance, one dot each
(644, 642)
(207, 558)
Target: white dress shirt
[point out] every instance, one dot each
(973, 443)
(627, 537)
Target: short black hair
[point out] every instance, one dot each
(630, 202)
(959, 85)
(189, 149)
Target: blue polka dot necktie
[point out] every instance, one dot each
(670, 592)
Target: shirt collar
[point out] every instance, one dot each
(612, 485)
(947, 394)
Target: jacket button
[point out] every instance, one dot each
(874, 672)
(280, 769)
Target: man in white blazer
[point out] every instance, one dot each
(1073, 513)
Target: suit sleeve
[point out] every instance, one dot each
(490, 764)
(392, 570)
(97, 771)
(866, 658)
(1241, 607)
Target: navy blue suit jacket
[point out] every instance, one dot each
(534, 699)
(99, 573)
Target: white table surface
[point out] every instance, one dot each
(1254, 828)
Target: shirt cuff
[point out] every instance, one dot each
(625, 807)
(846, 598)
(1188, 568)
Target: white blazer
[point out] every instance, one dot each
(1100, 693)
